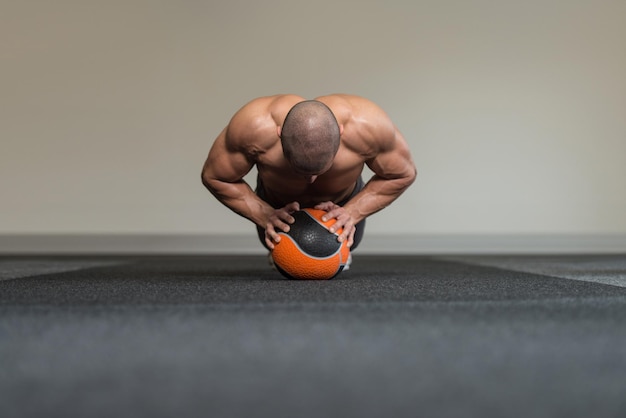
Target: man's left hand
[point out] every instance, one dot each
(344, 220)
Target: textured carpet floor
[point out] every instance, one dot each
(394, 336)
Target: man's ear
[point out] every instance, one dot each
(279, 129)
(340, 129)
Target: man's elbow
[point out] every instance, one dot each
(208, 180)
(411, 176)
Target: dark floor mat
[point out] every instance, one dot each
(182, 280)
(228, 337)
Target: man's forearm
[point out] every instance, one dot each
(377, 194)
(240, 198)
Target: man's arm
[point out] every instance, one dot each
(232, 156)
(394, 171)
(223, 174)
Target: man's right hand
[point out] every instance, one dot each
(279, 221)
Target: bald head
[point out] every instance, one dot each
(310, 137)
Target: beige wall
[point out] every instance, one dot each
(515, 110)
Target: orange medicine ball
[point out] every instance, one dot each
(309, 250)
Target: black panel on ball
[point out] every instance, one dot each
(312, 237)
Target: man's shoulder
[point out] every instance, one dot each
(267, 105)
(344, 100)
(254, 124)
(367, 127)
(353, 109)
(277, 106)
(266, 110)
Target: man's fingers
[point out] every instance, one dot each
(282, 217)
(342, 219)
(272, 233)
(327, 206)
(292, 207)
(333, 212)
(271, 237)
(347, 233)
(351, 238)
(280, 221)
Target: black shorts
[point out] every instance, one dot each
(360, 227)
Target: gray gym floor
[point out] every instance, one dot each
(396, 336)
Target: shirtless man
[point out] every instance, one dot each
(309, 153)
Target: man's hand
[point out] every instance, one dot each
(344, 220)
(279, 220)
